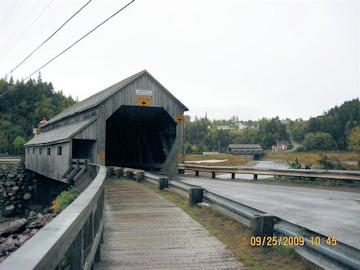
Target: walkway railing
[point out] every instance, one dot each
(75, 233)
(333, 174)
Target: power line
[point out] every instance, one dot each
(9, 13)
(22, 22)
(81, 38)
(27, 29)
(50, 36)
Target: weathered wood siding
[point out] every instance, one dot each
(53, 165)
(88, 133)
(72, 119)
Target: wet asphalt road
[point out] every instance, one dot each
(10, 159)
(329, 212)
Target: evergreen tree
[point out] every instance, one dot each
(23, 106)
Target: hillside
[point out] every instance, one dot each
(23, 106)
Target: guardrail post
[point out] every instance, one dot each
(262, 225)
(213, 175)
(76, 252)
(195, 196)
(163, 183)
(140, 176)
(129, 174)
(98, 254)
(119, 173)
(109, 172)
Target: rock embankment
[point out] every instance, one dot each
(21, 219)
(21, 230)
(16, 190)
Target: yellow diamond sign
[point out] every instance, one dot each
(143, 101)
(179, 118)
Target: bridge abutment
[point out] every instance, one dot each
(46, 189)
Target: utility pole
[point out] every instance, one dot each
(219, 145)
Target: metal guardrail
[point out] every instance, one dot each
(77, 230)
(332, 174)
(340, 256)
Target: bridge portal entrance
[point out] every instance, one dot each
(139, 137)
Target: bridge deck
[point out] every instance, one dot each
(144, 231)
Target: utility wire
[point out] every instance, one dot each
(80, 39)
(27, 29)
(9, 13)
(76, 42)
(50, 36)
(22, 22)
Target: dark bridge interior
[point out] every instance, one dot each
(139, 137)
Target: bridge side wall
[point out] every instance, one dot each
(53, 165)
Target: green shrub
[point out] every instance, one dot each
(300, 149)
(298, 165)
(328, 164)
(64, 199)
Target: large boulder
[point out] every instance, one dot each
(9, 210)
(11, 176)
(27, 196)
(10, 183)
(32, 215)
(15, 226)
(10, 245)
(38, 223)
(23, 238)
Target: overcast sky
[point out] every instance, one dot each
(252, 59)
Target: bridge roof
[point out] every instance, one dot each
(244, 146)
(59, 135)
(99, 97)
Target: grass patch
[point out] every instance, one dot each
(236, 236)
(347, 159)
(9, 164)
(232, 160)
(316, 182)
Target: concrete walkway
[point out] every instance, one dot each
(144, 231)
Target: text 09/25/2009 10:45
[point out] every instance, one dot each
(292, 241)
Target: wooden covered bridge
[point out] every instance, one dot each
(136, 123)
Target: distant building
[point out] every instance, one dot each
(223, 127)
(243, 126)
(280, 146)
(285, 121)
(245, 149)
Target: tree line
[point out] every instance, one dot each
(203, 135)
(336, 129)
(23, 106)
(333, 130)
